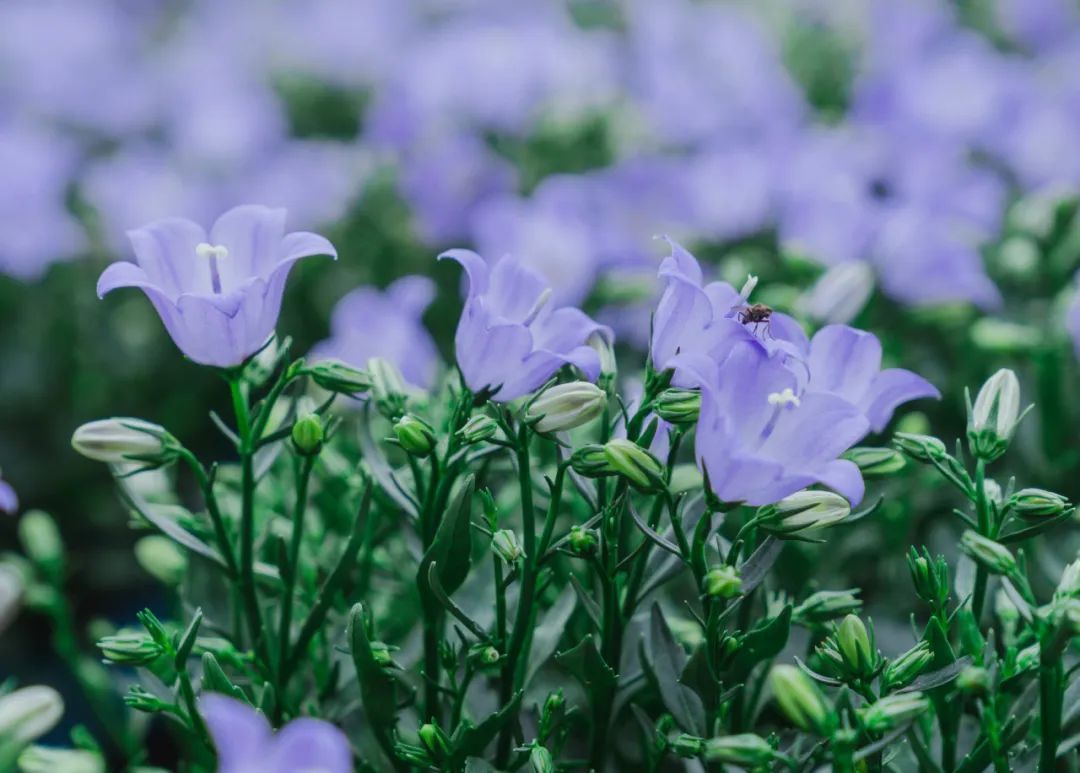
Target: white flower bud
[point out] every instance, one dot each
(120, 440)
(806, 511)
(11, 593)
(566, 406)
(840, 294)
(602, 344)
(994, 416)
(45, 759)
(29, 713)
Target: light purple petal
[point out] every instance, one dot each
(302, 244)
(241, 735)
(412, 294)
(9, 500)
(821, 428)
(515, 290)
(845, 479)
(165, 250)
(122, 274)
(311, 745)
(890, 389)
(253, 235)
(844, 361)
(475, 266)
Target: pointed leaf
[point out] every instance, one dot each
(665, 663)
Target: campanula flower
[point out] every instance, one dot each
(9, 501)
(219, 294)
(509, 340)
(760, 438)
(246, 744)
(369, 323)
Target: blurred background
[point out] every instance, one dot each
(905, 165)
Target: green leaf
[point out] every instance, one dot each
(451, 549)
(761, 643)
(665, 664)
(440, 595)
(377, 687)
(586, 664)
(757, 566)
(469, 741)
(550, 631)
(187, 641)
(214, 679)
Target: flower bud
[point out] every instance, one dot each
(974, 681)
(992, 491)
(893, 711)
(1033, 504)
(130, 648)
(582, 541)
(591, 461)
(1027, 658)
(336, 376)
(565, 407)
(478, 429)
(387, 387)
(540, 760)
(839, 294)
(506, 545)
(745, 750)
(161, 559)
(1069, 585)
(687, 746)
(435, 741)
(678, 406)
(805, 511)
(415, 435)
(41, 541)
(876, 462)
(29, 713)
(723, 582)
(552, 713)
(930, 575)
(601, 343)
(801, 700)
(902, 671)
(46, 759)
(826, 605)
(484, 655)
(993, 419)
(989, 554)
(921, 448)
(855, 646)
(308, 435)
(120, 440)
(640, 468)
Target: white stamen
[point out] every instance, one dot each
(213, 253)
(537, 307)
(785, 398)
(748, 287)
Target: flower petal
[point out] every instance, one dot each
(476, 268)
(890, 389)
(123, 273)
(241, 734)
(844, 477)
(311, 744)
(844, 361)
(303, 244)
(165, 250)
(253, 236)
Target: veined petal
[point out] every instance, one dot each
(680, 264)
(241, 734)
(821, 428)
(475, 266)
(890, 389)
(683, 313)
(165, 250)
(515, 291)
(844, 361)
(253, 236)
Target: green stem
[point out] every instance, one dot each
(982, 511)
(1051, 677)
(292, 566)
(221, 534)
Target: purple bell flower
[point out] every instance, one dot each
(509, 340)
(761, 438)
(219, 295)
(9, 501)
(370, 323)
(245, 742)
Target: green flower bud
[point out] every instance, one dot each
(989, 554)
(1005, 609)
(921, 448)
(855, 646)
(435, 741)
(45, 759)
(540, 760)
(308, 435)
(484, 655)
(804, 511)
(41, 541)
(930, 575)
(893, 711)
(506, 545)
(678, 406)
(745, 750)
(160, 558)
(565, 406)
(1027, 658)
(605, 350)
(130, 648)
(387, 388)
(687, 746)
(876, 462)
(29, 713)
(336, 376)
(591, 461)
(1033, 504)
(640, 468)
(902, 671)
(478, 429)
(415, 435)
(801, 700)
(974, 681)
(994, 417)
(1004, 337)
(723, 582)
(1069, 585)
(552, 713)
(826, 605)
(122, 440)
(582, 541)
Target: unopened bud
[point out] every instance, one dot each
(41, 541)
(160, 558)
(678, 406)
(930, 576)
(640, 468)
(1069, 585)
(540, 760)
(723, 582)
(605, 350)
(435, 741)
(582, 541)
(902, 671)
(801, 700)
(1033, 504)
(993, 418)
(478, 429)
(989, 554)
(336, 376)
(12, 587)
(46, 759)
(591, 461)
(893, 711)
(387, 387)
(921, 448)
(415, 435)
(826, 605)
(876, 462)
(566, 406)
(1027, 658)
(308, 435)
(745, 750)
(484, 655)
(687, 746)
(130, 648)
(805, 511)
(122, 440)
(506, 545)
(29, 713)
(855, 646)
(974, 681)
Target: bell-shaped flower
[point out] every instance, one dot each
(219, 294)
(846, 362)
(761, 438)
(509, 341)
(245, 742)
(9, 500)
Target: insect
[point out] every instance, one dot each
(756, 315)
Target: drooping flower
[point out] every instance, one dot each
(760, 437)
(246, 744)
(509, 340)
(367, 323)
(219, 294)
